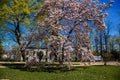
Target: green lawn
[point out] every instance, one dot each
(81, 73)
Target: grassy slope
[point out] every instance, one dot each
(81, 73)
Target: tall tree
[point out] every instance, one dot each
(1, 49)
(18, 16)
(71, 20)
(118, 38)
(118, 42)
(2, 3)
(107, 35)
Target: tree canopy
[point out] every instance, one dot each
(73, 21)
(17, 18)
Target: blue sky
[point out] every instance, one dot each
(114, 17)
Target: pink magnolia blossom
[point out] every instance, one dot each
(72, 19)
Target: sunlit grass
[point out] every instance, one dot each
(81, 73)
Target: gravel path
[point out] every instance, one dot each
(95, 63)
(75, 64)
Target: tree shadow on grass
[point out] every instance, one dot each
(47, 69)
(50, 68)
(13, 65)
(57, 69)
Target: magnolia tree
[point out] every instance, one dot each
(72, 21)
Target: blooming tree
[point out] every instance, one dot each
(72, 21)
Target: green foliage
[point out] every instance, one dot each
(17, 17)
(1, 49)
(43, 13)
(81, 73)
(118, 40)
(2, 2)
(16, 49)
(95, 53)
(20, 10)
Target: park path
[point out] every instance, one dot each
(95, 63)
(74, 64)
(1, 66)
(12, 62)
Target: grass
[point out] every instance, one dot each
(81, 73)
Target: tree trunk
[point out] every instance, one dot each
(101, 43)
(105, 61)
(22, 54)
